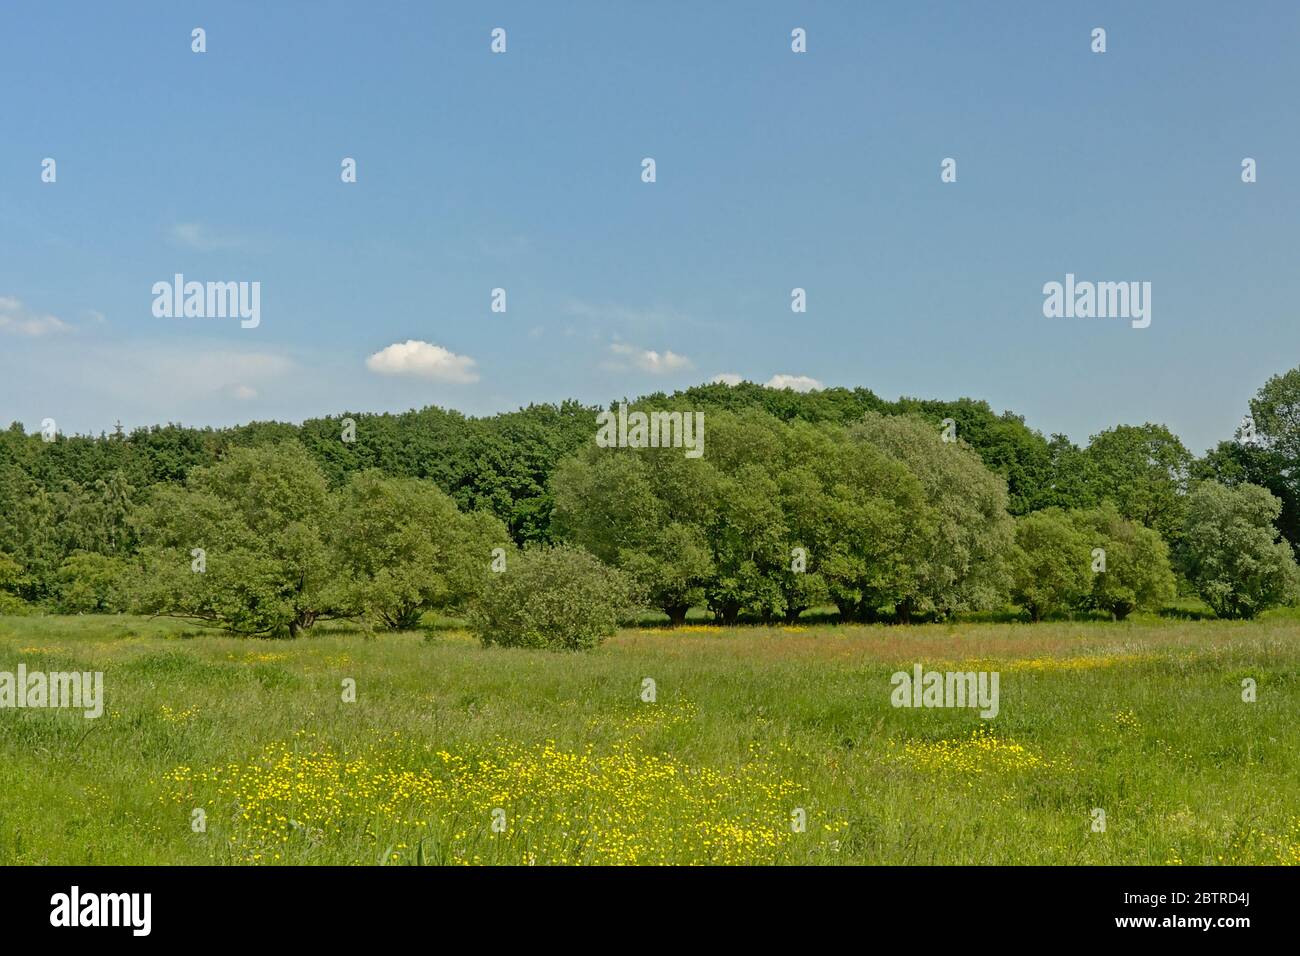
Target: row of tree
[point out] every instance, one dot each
(887, 511)
(886, 520)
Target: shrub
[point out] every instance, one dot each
(557, 597)
(90, 583)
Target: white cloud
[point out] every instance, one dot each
(423, 360)
(244, 392)
(195, 235)
(727, 378)
(648, 360)
(798, 383)
(17, 319)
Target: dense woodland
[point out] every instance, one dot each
(892, 522)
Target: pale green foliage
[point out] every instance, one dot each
(1137, 571)
(1231, 552)
(1051, 563)
(404, 548)
(91, 583)
(645, 511)
(262, 515)
(557, 597)
(961, 564)
(890, 520)
(861, 516)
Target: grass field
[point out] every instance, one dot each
(456, 754)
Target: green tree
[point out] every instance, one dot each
(962, 564)
(1137, 572)
(404, 548)
(1275, 410)
(1051, 564)
(12, 585)
(1231, 552)
(1240, 462)
(1144, 470)
(243, 544)
(646, 511)
(860, 516)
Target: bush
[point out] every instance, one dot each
(90, 583)
(1231, 552)
(557, 597)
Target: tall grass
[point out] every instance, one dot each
(452, 753)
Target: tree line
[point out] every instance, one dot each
(889, 511)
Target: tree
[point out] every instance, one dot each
(860, 516)
(243, 544)
(12, 584)
(1240, 462)
(405, 548)
(1072, 484)
(1136, 571)
(1144, 470)
(962, 561)
(1004, 443)
(1231, 552)
(1275, 410)
(1267, 450)
(646, 511)
(558, 597)
(1051, 563)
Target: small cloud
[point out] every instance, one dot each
(727, 378)
(96, 317)
(17, 319)
(648, 360)
(798, 383)
(243, 392)
(195, 235)
(423, 360)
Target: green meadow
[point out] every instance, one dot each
(694, 745)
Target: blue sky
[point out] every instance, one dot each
(523, 171)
